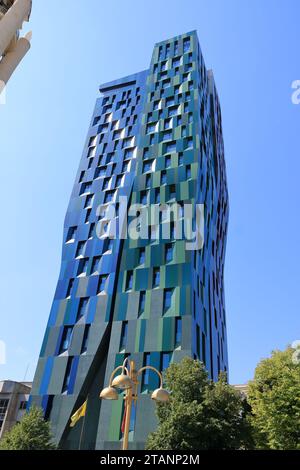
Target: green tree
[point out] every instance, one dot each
(201, 414)
(32, 433)
(274, 396)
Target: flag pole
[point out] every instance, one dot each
(81, 433)
(82, 427)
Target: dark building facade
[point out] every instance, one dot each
(155, 138)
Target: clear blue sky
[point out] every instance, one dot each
(253, 48)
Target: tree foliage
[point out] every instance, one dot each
(201, 414)
(32, 433)
(274, 396)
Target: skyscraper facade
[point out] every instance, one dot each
(155, 138)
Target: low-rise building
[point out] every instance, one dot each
(13, 402)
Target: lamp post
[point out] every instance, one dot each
(128, 382)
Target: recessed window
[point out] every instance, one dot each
(109, 196)
(163, 177)
(172, 111)
(71, 234)
(167, 135)
(107, 245)
(167, 124)
(188, 172)
(157, 196)
(91, 230)
(170, 101)
(146, 373)
(65, 339)
(83, 303)
(95, 264)
(186, 44)
(70, 287)
(89, 201)
(166, 83)
(176, 62)
(168, 161)
(117, 134)
(169, 252)
(151, 127)
(165, 361)
(143, 197)
(83, 266)
(189, 142)
(99, 172)
(91, 152)
(96, 120)
(142, 255)
(88, 215)
(171, 147)
(128, 142)
(86, 188)
(129, 280)
(147, 166)
(106, 182)
(155, 105)
(66, 383)
(142, 302)
(168, 298)
(102, 283)
(156, 277)
(119, 181)
(172, 194)
(129, 153)
(125, 167)
(81, 176)
(178, 331)
(80, 249)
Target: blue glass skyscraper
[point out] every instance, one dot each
(155, 137)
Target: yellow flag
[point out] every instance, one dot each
(78, 414)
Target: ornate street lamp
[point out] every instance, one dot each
(128, 381)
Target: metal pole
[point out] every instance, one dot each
(128, 407)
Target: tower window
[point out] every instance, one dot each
(146, 373)
(142, 255)
(95, 264)
(142, 302)
(83, 266)
(71, 234)
(102, 283)
(178, 331)
(65, 339)
(168, 298)
(70, 286)
(80, 249)
(165, 361)
(67, 377)
(169, 252)
(129, 280)
(156, 277)
(82, 307)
